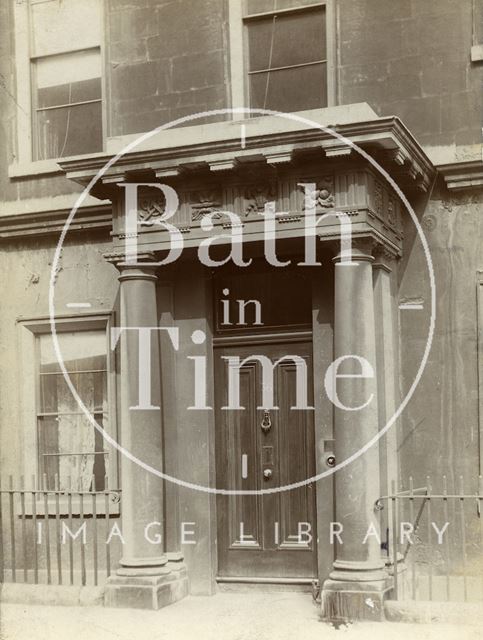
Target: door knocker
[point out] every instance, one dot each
(266, 422)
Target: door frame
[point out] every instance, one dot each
(321, 335)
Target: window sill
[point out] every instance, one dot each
(42, 167)
(75, 510)
(34, 168)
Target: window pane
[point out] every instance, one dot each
(56, 396)
(67, 79)
(69, 131)
(82, 351)
(290, 89)
(68, 68)
(261, 6)
(71, 447)
(77, 348)
(67, 440)
(288, 39)
(66, 24)
(69, 93)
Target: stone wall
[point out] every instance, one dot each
(411, 58)
(438, 434)
(166, 60)
(84, 276)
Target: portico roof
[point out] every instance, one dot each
(274, 140)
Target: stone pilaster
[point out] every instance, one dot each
(358, 582)
(145, 577)
(387, 365)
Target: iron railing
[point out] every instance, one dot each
(70, 535)
(59, 536)
(436, 537)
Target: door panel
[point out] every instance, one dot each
(258, 535)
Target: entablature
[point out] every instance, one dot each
(347, 174)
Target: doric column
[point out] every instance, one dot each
(145, 578)
(358, 581)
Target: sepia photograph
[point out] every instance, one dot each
(241, 337)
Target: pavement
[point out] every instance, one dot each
(226, 616)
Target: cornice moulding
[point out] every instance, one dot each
(387, 135)
(460, 176)
(45, 223)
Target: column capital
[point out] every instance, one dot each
(144, 268)
(361, 251)
(384, 258)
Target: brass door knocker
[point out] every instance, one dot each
(266, 422)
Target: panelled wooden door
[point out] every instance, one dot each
(271, 535)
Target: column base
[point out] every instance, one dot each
(348, 601)
(145, 591)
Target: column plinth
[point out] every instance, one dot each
(146, 577)
(358, 582)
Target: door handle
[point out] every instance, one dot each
(267, 474)
(266, 421)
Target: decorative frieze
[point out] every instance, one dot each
(204, 203)
(322, 197)
(149, 209)
(257, 196)
(384, 205)
(357, 193)
(378, 199)
(391, 213)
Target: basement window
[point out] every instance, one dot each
(70, 448)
